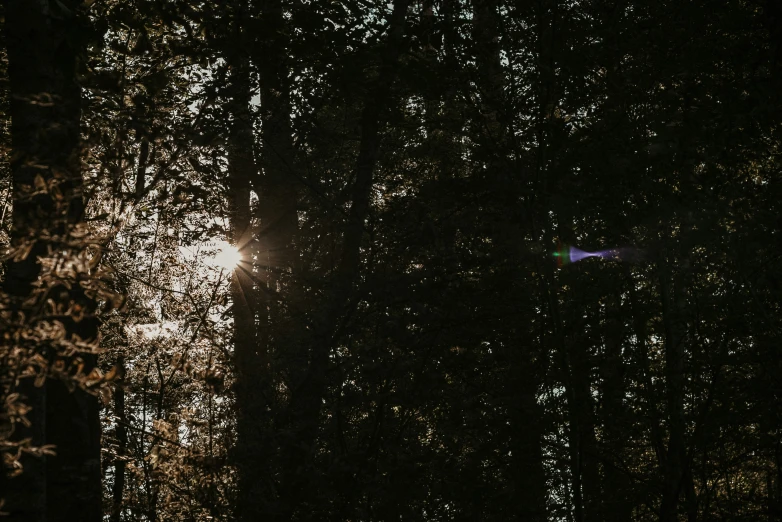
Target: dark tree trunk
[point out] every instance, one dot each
(277, 184)
(617, 505)
(251, 454)
(47, 223)
(307, 395)
(528, 475)
(675, 465)
(491, 79)
(583, 412)
(527, 472)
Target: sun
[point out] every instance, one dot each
(226, 255)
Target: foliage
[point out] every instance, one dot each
(397, 342)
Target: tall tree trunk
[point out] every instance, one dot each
(557, 343)
(582, 411)
(490, 85)
(276, 187)
(528, 475)
(47, 232)
(575, 363)
(452, 120)
(307, 395)
(277, 184)
(527, 471)
(675, 465)
(617, 505)
(250, 356)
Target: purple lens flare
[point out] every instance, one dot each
(577, 254)
(570, 254)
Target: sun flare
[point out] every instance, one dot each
(226, 256)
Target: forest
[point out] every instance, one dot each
(400, 260)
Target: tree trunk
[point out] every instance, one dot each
(276, 186)
(583, 411)
(491, 79)
(527, 471)
(307, 395)
(617, 505)
(47, 232)
(675, 465)
(250, 357)
(528, 475)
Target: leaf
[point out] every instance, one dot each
(40, 183)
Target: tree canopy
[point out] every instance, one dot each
(297, 260)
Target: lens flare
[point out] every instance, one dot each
(577, 254)
(566, 254)
(226, 256)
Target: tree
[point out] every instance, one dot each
(334, 224)
(49, 323)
